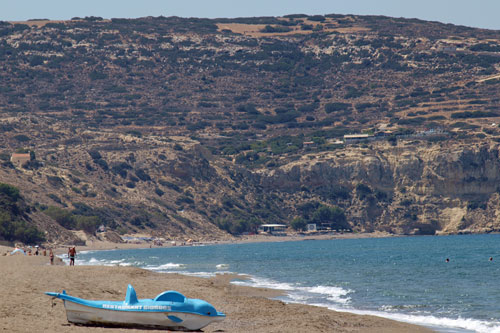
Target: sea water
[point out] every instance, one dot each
(402, 278)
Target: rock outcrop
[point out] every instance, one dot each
(417, 190)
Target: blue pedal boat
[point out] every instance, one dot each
(169, 309)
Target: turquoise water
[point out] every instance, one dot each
(405, 278)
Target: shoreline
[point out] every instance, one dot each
(99, 245)
(95, 244)
(26, 278)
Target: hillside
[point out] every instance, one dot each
(193, 128)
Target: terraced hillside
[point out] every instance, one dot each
(178, 127)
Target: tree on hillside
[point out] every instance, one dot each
(12, 225)
(61, 216)
(330, 215)
(298, 223)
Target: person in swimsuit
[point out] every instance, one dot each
(51, 255)
(72, 255)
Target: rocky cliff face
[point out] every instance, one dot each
(416, 189)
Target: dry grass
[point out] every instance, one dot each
(254, 30)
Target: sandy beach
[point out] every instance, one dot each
(93, 243)
(25, 308)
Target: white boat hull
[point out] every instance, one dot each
(82, 314)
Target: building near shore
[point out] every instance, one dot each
(312, 227)
(272, 229)
(353, 138)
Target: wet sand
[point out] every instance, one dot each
(25, 308)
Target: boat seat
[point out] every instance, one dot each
(170, 296)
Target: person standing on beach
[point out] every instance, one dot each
(51, 255)
(72, 255)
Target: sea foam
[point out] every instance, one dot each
(168, 266)
(437, 323)
(259, 282)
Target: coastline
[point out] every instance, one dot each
(26, 278)
(99, 245)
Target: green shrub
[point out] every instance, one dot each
(363, 191)
(102, 163)
(97, 75)
(15, 229)
(204, 104)
(334, 216)
(54, 197)
(88, 224)
(285, 144)
(280, 118)
(245, 158)
(170, 185)
(142, 175)
(184, 199)
(55, 181)
(135, 133)
(159, 192)
(335, 192)
(94, 154)
(381, 196)
(236, 226)
(298, 223)
(337, 106)
(308, 208)
(248, 108)
(474, 114)
(471, 205)
(486, 47)
(353, 92)
(61, 216)
(9, 191)
(121, 169)
(308, 108)
(406, 202)
(276, 28)
(12, 226)
(22, 138)
(317, 18)
(36, 60)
